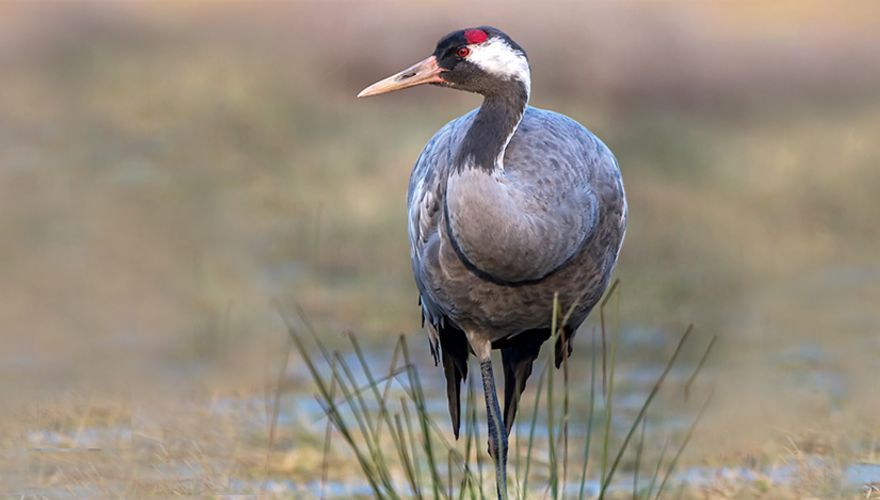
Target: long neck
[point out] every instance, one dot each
(485, 142)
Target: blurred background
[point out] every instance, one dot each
(173, 173)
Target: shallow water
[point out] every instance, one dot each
(632, 384)
(301, 412)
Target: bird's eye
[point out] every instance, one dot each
(463, 52)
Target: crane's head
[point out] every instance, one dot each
(483, 60)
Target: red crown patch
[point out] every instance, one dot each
(475, 36)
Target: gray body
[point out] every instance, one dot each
(509, 206)
(490, 249)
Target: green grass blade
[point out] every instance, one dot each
(393, 370)
(372, 383)
(419, 400)
(638, 463)
(328, 436)
(360, 412)
(449, 462)
(417, 469)
(276, 407)
(565, 416)
(386, 379)
(405, 458)
(585, 467)
(693, 377)
(553, 482)
(609, 412)
(684, 443)
(468, 484)
(369, 472)
(657, 468)
(532, 425)
(326, 401)
(357, 397)
(607, 479)
(602, 305)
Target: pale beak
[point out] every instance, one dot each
(426, 71)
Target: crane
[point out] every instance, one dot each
(509, 206)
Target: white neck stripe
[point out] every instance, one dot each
(497, 57)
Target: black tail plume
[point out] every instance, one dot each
(455, 350)
(517, 356)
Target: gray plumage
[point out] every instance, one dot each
(509, 206)
(552, 222)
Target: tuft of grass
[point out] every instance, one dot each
(400, 452)
(586, 461)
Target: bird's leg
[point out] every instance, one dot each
(497, 434)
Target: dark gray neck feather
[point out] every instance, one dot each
(493, 127)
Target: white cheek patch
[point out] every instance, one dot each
(497, 57)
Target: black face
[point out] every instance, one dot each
(451, 54)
